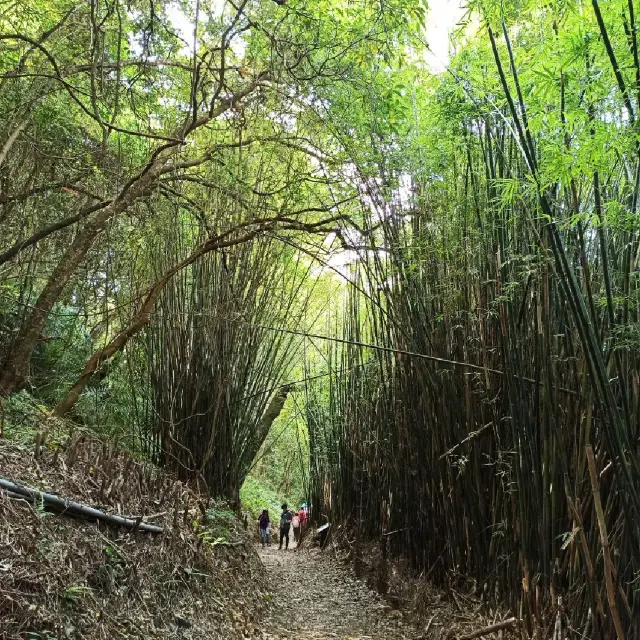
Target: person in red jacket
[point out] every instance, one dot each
(296, 523)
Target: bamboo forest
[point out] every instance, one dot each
(365, 271)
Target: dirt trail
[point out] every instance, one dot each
(315, 598)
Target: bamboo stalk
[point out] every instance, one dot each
(492, 628)
(71, 508)
(604, 540)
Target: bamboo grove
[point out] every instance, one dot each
(496, 435)
(159, 163)
(283, 206)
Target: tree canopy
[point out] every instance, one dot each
(266, 238)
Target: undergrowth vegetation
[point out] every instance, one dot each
(66, 579)
(256, 496)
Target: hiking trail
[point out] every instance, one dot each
(316, 598)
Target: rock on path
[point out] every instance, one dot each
(314, 598)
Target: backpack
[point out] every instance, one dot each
(287, 517)
(296, 521)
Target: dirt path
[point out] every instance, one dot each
(314, 598)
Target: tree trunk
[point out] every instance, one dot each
(116, 345)
(15, 367)
(274, 409)
(139, 320)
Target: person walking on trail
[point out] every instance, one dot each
(296, 524)
(264, 526)
(285, 525)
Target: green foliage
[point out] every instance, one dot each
(256, 496)
(75, 593)
(220, 511)
(283, 460)
(23, 417)
(219, 526)
(61, 354)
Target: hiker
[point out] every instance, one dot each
(302, 514)
(264, 528)
(296, 523)
(285, 525)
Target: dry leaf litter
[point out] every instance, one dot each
(62, 578)
(72, 579)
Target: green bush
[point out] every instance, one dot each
(256, 496)
(22, 417)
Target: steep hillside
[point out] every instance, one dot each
(67, 578)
